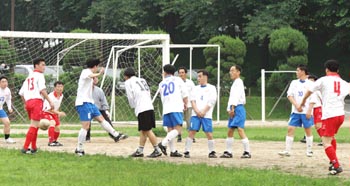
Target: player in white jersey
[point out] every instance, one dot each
(139, 97)
(237, 114)
(86, 108)
(5, 97)
(203, 98)
(182, 71)
(174, 98)
(299, 117)
(333, 90)
(32, 93)
(53, 114)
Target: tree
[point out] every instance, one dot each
(232, 51)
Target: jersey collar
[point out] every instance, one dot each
(56, 95)
(333, 74)
(37, 71)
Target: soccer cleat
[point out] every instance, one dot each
(187, 154)
(309, 153)
(212, 154)
(55, 144)
(284, 153)
(79, 153)
(246, 155)
(335, 171)
(137, 154)
(88, 139)
(33, 151)
(10, 141)
(121, 136)
(162, 148)
(194, 140)
(175, 154)
(320, 144)
(26, 151)
(226, 155)
(155, 154)
(179, 138)
(303, 140)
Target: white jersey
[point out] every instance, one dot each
(189, 85)
(172, 92)
(237, 94)
(55, 100)
(84, 93)
(316, 99)
(203, 96)
(333, 90)
(32, 86)
(5, 97)
(139, 94)
(297, 90)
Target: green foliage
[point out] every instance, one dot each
(7, 52)
(232, 51)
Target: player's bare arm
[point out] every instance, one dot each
(231, 113)
(195, 109)
(293, 102)
(102, 70)
(185, 100)
(307, 95)
(309, 111)
(205, 110)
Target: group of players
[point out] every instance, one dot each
(319, 102)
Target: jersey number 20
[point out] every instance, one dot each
(168, 88)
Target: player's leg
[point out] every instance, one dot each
(88, 134)
(84, 113)
(294, 121)
(195, 126)
(245, 142)
(35, 107)
(208, 130)
(308, 124)
(228, 153)
(142, 142)
(5, 120)
(105, 116)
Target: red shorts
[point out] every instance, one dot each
(49, 116)
(317, 115)
(34, 108)
(330, 126)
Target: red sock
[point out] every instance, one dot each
(56, 135)
(334, 144)
(34, 138)
(332, 156)
(29, 137)
(320, 132)
(51, 133)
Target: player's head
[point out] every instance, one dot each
(95, 81)
(128, 73)
(235, 72)
(58, 87)
(3, 82)
(92, 64)
(301, 71)
(39, 64)
(169, 69)
(331, 65)
(312, 77)
(182, 71)
(202, 77)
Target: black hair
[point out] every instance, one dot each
(90, 63)
(204, 72)
(37, 61)
(169, 69)
(184, 68)
(129, 72)
(312, 76)
(303, 67)
(332, 65)
(3, 77)
(238, 67)
(58, 83)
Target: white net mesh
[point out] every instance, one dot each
(65, 57)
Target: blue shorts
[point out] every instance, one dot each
(299, 120)
(238, 119)
(197, 122)
(87, 111)
(3, 114)
(172, 119)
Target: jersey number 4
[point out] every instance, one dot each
(337, 87)
(168, 88)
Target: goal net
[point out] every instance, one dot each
(65, 55)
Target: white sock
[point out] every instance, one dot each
(309, 141)
(171, 135)
(229, 145)
(105, 125)
(211, 145)
(188, 144)
(289, 143)
(171, 145)
(245, 143)
(81, 138)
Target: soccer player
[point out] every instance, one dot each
(139, 98)
(182, 71)
(333, 90)
(203, 98)
(237, 114)
(174, 98)
(32, 93)
(86, 108)
(299, 117)
(53, 114)
(5, 97)
(100, 101)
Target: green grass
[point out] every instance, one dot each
(49, 168)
